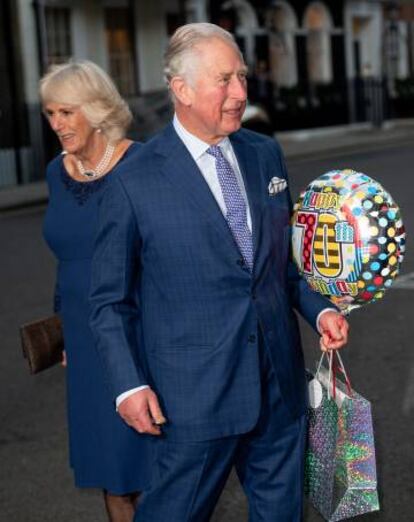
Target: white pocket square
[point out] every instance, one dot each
(276, 185)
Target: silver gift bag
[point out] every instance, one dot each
(340, 470)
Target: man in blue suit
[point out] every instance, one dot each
(193, 254)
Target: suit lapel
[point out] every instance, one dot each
(181, 170)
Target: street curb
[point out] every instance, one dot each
(320, 132)
(326, 152)
(321, 143)
(23, 196)
(34, 203)
(301, 145)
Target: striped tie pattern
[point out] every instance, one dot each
(236, 214)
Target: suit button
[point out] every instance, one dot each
(240, 262)
(254, 296)
(251, 338)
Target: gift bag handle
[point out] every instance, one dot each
(333, 367)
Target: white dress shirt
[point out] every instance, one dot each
(207, 165)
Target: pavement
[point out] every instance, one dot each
(36, 483)
(297, 145)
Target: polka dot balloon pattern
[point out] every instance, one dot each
(348, 238)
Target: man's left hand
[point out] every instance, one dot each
(334, 331)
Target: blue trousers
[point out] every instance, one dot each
(190, 476)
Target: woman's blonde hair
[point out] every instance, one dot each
(87, 86)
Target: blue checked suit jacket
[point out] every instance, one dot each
(174, 306)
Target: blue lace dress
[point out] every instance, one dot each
(104, 452)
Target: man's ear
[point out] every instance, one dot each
(182, 91)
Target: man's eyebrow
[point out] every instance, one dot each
(243, 69)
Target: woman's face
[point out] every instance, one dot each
(71, 126)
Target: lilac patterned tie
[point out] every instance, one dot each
(236, 214)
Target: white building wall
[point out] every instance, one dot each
(31, 156)
(29, 49)
(88, 38)
(88, 32)
(367, 16)
(403, 42)
(196, 11)
(151, 41)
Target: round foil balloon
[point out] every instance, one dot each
(348, 238)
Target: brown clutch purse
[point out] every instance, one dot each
(42, 343)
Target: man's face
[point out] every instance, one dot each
(217, 94)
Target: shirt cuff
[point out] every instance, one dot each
(321, 314)
(126, 394)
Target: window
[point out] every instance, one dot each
(119, 37)
(58, 34)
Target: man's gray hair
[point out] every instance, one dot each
(179, 56)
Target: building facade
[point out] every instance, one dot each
(312, 63)
(126, 38)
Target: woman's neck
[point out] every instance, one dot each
(93, 151)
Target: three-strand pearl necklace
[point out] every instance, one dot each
(101, 167)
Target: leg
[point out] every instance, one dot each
(120, 508)
(272, 475)
(270, 459)
(187, 482)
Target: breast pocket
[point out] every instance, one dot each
(279, 200)
(277, 211)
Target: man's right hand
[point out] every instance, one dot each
(142, 411)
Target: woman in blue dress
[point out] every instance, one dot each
(90, 119)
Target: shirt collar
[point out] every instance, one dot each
(195, 146)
